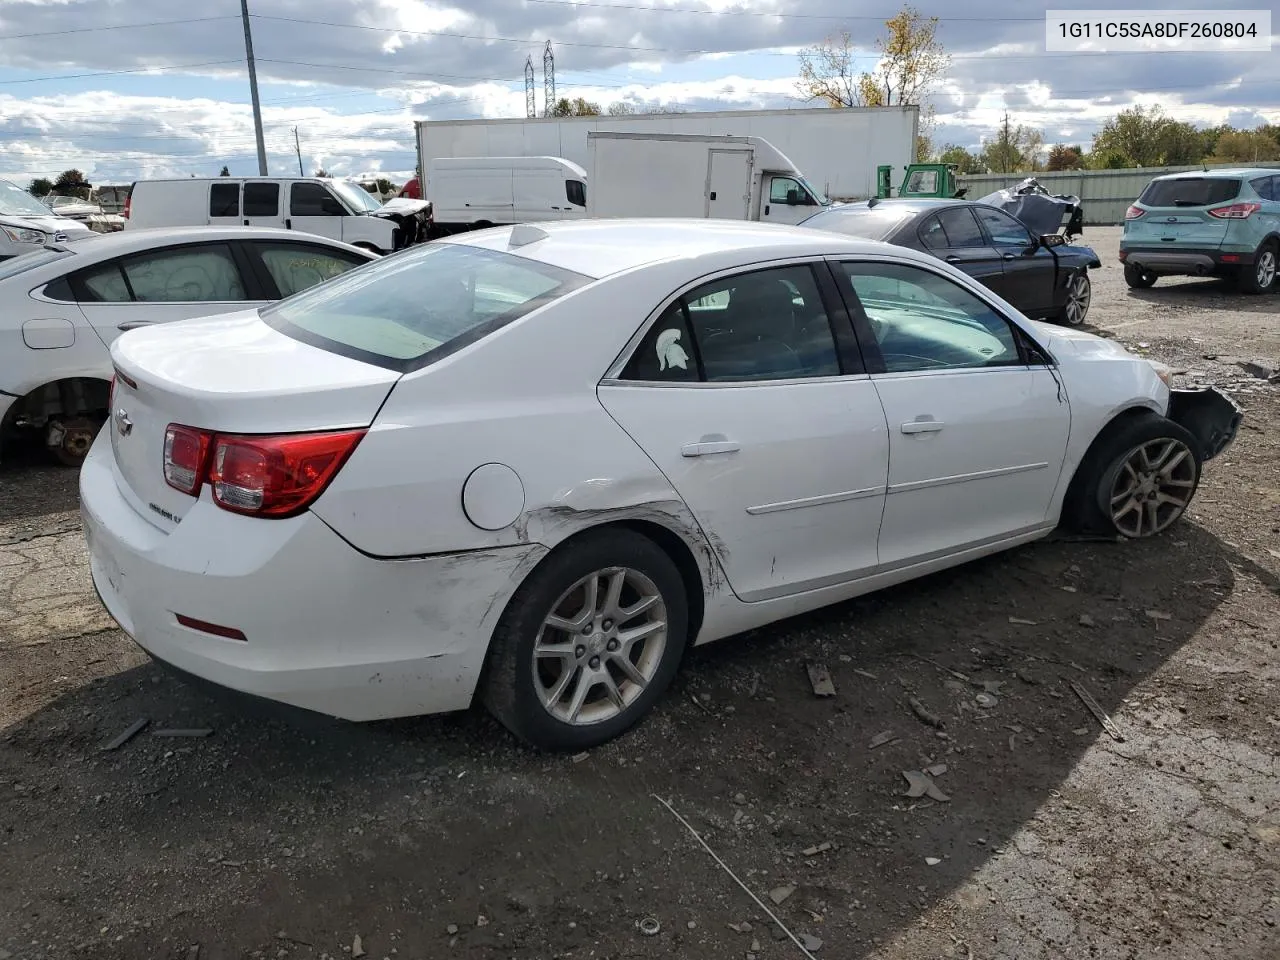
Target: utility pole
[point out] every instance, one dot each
(253, 89)
(298, 146)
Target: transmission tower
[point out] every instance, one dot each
(530, 97)
(548, 80)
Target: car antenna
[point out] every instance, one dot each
(872, 202)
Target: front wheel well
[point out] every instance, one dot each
(1125, 416)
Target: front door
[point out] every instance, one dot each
(1030, 270)
(977, 433)
(313, 209)
(224, 203)
(261, 204)
(766, 426)
(729, 185)
(786, 201)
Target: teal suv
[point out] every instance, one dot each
(1225, 223)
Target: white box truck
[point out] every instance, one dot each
(687, 175)
(468, 193)
(838, 148)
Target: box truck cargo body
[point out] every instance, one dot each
(687, 175)
(839, 149)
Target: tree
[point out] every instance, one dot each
(826, 73)
(1146, 137)
(1013, 148)
(577, 107)
(1063, 157)
(966, 163)
(321, 172)
(40, 187)
(1245, 146)
(226, 172)
(620, 108)
(385, 186)
(71, 183)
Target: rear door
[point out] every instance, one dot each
(954, 235)
(224, 203)
(162, 285)
(260, 204)
(1030, 271)
(729, 185)
(1177, 213)
(313, 209)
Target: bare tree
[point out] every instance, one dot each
(826, 72)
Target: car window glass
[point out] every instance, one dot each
(780, 187)
(922, 181)
(961, 227)
(932, 234)
(763, 325)
(296, 266)
(224, 200)
(1264, 187)
(576, 192)
(923, 321)
(312, 200)
(206, 273)
(105, 284)
(666, 354)
(262, 199)
(1005, 230)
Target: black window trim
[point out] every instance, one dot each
(248, 279)
(848, 352)
(252, 252)
(1027, 343)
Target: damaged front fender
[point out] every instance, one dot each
(1210, 416)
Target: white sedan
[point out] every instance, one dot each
(63, 304)
(538, 463)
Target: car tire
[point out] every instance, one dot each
(553, 625)
(1261, 276)
(78, 435)
(1137, 278)
(1137, 479)
(1079, 298)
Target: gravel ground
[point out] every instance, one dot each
(276, 837)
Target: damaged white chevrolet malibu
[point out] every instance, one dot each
(533, 465)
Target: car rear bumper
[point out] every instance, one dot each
(325, 627)
(1211, 416)
(1184, 260)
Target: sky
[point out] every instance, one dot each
(133, 89)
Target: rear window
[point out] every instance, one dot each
(1189, 192)
(410, 309)
(867, 223)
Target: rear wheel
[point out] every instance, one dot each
(1138, 278)
(1261, 277)
(588, 643)
(1079, 297)
(70, 440)
(1137, 480)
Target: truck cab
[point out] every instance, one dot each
(922, 181)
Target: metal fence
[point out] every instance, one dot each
(1104, 194)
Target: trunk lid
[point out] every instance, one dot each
(1177, 211)
(229, 374)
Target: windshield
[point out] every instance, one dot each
(407, 310)
(359, 201)
(16, 202)
(817, 194)
(864, 222)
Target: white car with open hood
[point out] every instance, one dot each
(537, 463)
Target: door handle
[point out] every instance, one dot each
(766, 210)
(952, 259)
(713, 194)
(1010, 256)
(706, 448)
(922, 426)
(134, 324)
(288, 224)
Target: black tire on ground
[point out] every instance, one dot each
(509, 689)
(1138, 278)
(1113, 472)
(1260, 276)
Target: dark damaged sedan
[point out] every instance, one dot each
(1044, 277)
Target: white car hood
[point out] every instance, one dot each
(1079, 343)
(49, 224)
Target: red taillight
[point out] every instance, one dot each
(186, 457)
(276, 476)
(1133, 213)
(128, 205)
(1237, 211)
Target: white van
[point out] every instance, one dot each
(337, 209)
(26, 224)
(468, 193)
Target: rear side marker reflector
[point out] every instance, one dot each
(217, 630)
(260, 476)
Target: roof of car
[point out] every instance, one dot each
(906, 204)
(1221, 172)
(129, 241)
(598, 248)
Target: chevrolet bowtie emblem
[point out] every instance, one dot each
(123, 423)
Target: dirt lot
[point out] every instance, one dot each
(438, 838)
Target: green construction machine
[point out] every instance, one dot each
(933, 180)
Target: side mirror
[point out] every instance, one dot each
(1052, 240)
(794, 199)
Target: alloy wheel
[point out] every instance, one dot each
(1079, 294)
(1153, 488)
(1266, 269)
(600, 646)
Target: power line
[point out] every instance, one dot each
(771, 16)
(116, 73)
(112, 26)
